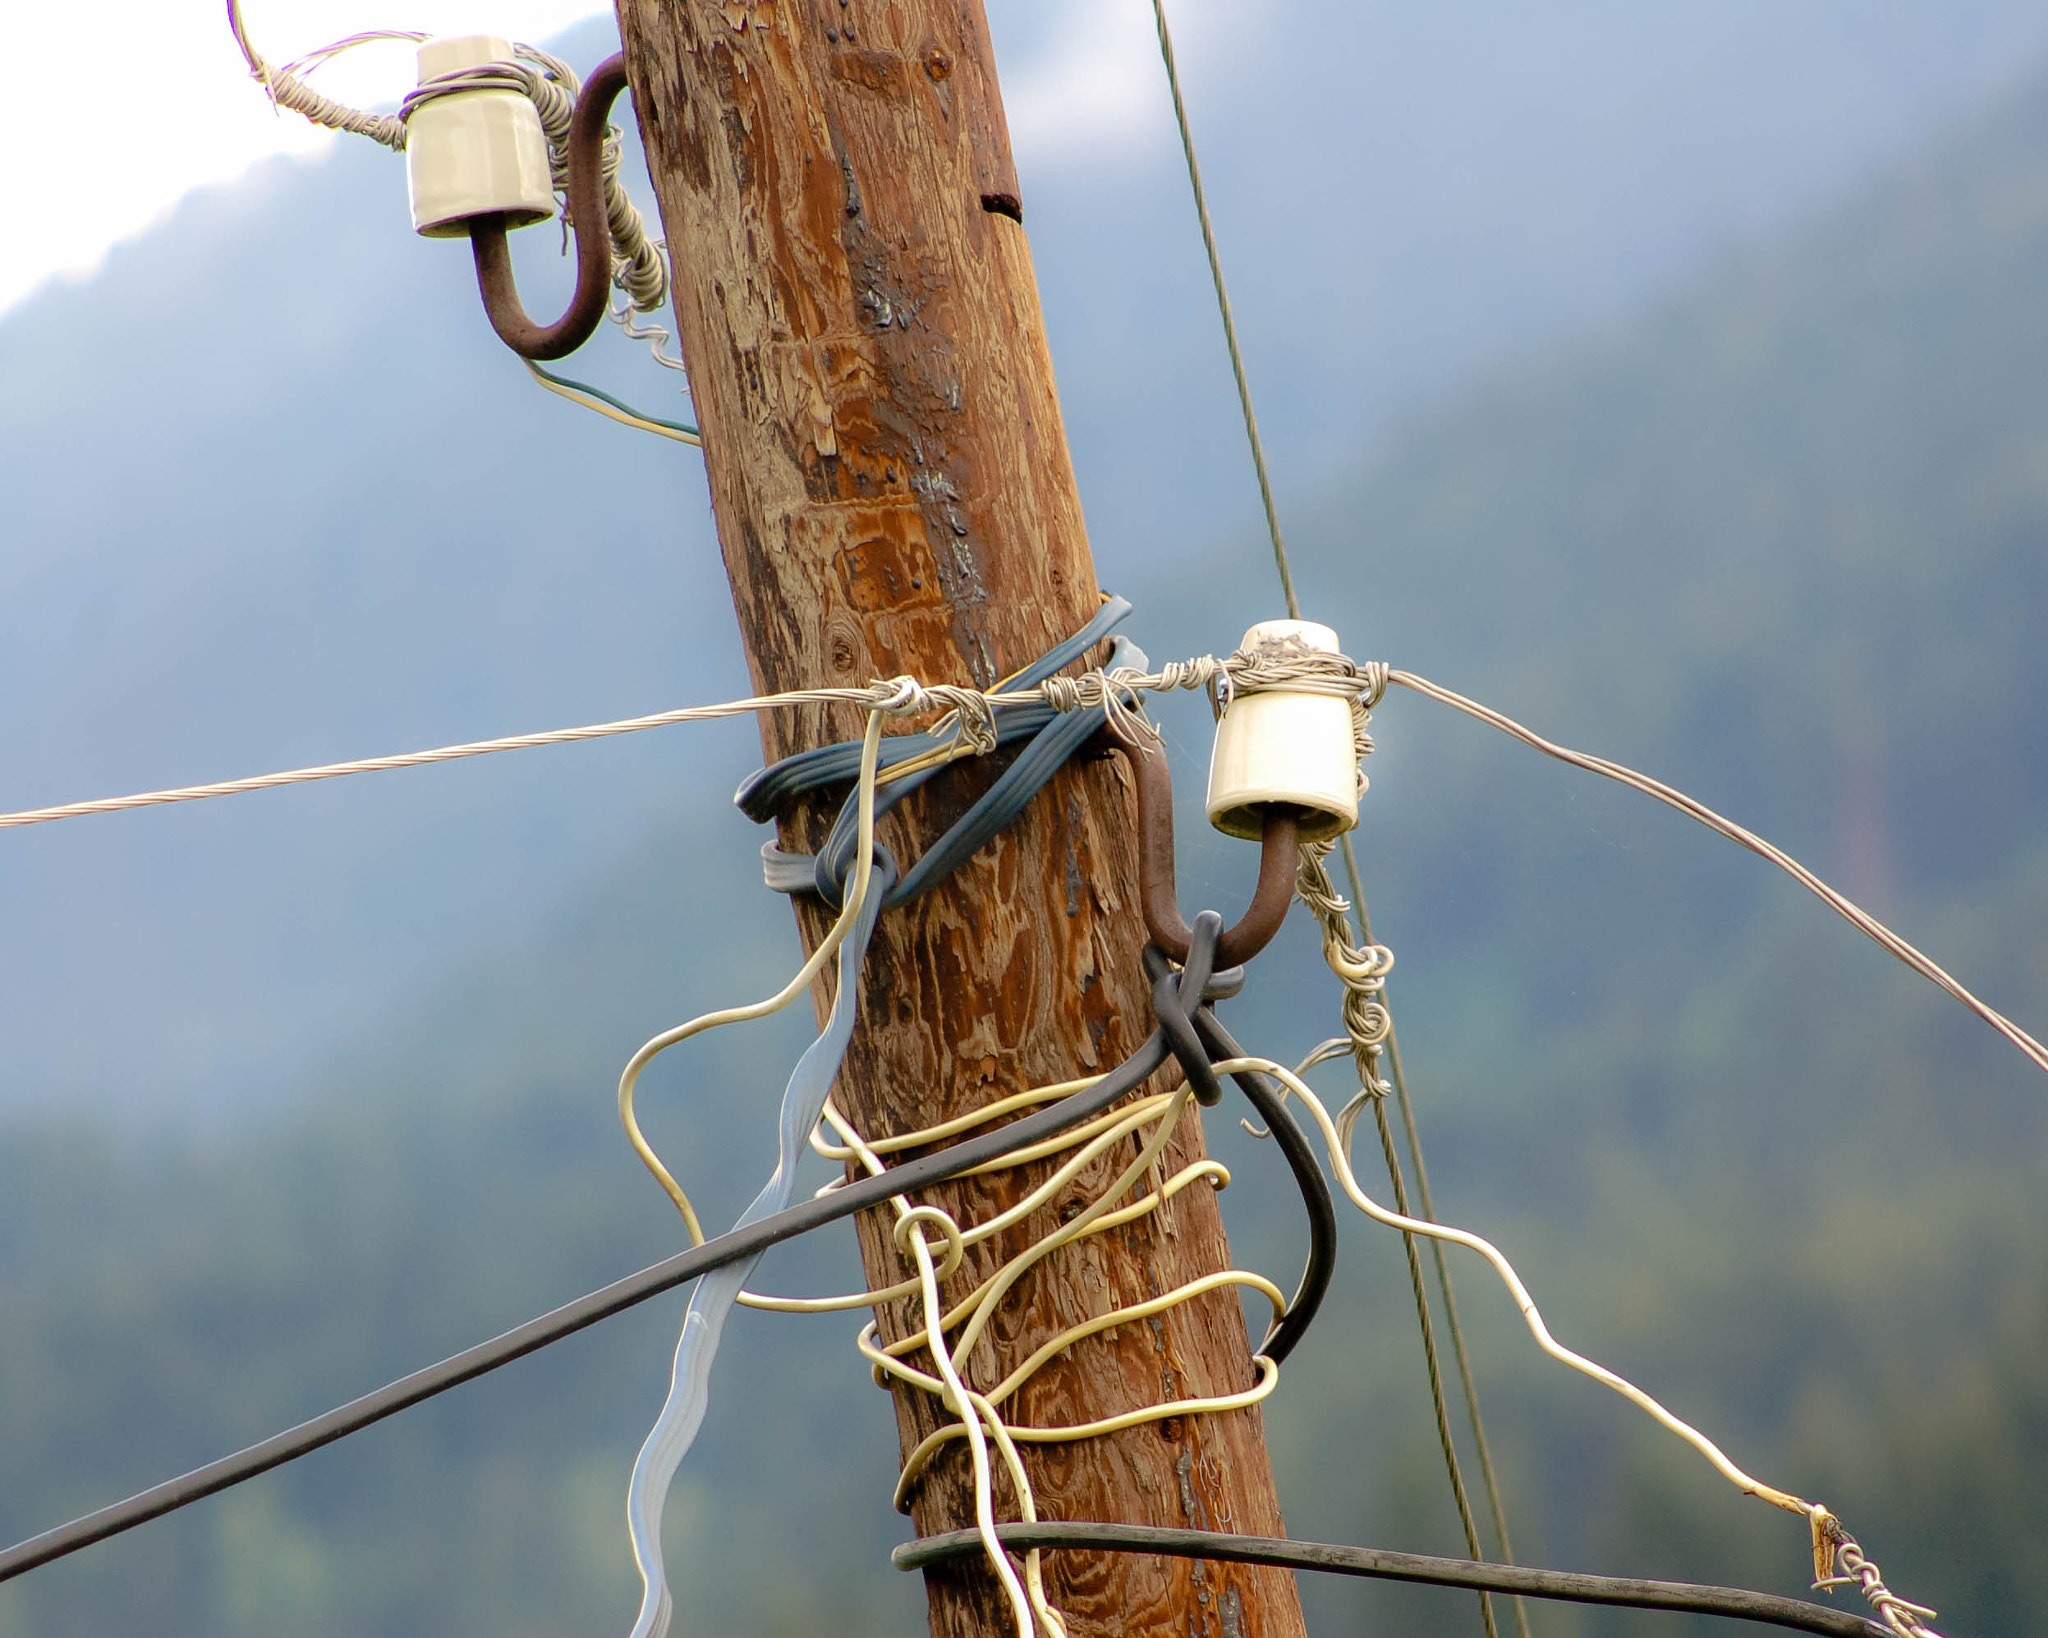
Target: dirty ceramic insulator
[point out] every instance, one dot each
(1282, 745)
(474, 153)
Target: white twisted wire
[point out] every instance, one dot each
(1362, 972)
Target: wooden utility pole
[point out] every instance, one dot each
(856, 304)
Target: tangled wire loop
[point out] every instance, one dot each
(969, 721)
(1834, 1549)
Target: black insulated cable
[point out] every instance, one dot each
(765, 793)
(1265, 1096)
(1733, 1603)
(566, 1321)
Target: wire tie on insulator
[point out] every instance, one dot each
(949, 1231)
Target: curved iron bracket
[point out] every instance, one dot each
(593, 235)
(1278, 859)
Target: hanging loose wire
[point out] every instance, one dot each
(1151, 1120)
(1838, 1558)
(614, 409)
(800, 981)
(1286, 574)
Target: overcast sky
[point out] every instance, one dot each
(175, 108)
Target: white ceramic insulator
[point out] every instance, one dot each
(1280, 745)
(474, 152)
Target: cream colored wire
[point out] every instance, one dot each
(972, 1410)
(984, 1407)
(1011, 1105)
(975, 1309)
(629, 1079)
(1214, 1170)
(1531, 1316)
(1513, 1281)
(981, 1420)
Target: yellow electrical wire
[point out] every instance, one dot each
(951, 1334)
(1744, 1482)
(870, 751)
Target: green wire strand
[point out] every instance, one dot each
(679, 430)
(1244, 391)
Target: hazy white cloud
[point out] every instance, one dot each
(172, 107)
(1097, 82)
(1096, 88)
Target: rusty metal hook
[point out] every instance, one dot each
(1278, 860)
(494, 279)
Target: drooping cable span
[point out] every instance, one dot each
(552, 1327)
(967, 725)
(1856, 916)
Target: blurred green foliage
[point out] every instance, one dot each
(1782, 540)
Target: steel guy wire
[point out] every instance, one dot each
(1286, 575)
(1244, 391)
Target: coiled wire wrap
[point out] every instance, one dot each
(639, 262)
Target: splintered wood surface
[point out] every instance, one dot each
(894, 494)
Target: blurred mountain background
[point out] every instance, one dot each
(1678, 383)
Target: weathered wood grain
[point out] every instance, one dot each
(857, 306)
